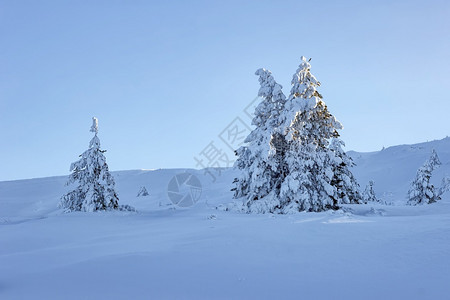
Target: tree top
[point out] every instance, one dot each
(94, 127)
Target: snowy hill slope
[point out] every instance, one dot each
(37, 198)
(365, 252)
(394, 168)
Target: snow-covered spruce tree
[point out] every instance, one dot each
(258, 174)
(421, 190)
(94, 183)
(347, 188)
(369, 194)
(307, 126)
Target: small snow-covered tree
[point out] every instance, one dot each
(347, 188)
(258, 173)
(369, 194)
(142, 192)
(421, 190)
(307, 126)
(445, 186)
(94, 188)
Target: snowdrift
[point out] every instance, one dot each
(361, 252)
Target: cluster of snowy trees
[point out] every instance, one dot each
(293, 160)
(94, 186)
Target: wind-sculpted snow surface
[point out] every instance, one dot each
(368, 251)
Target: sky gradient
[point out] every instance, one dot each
(165, 80)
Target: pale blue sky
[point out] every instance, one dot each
(166, 79)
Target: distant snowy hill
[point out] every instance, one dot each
(363, 252)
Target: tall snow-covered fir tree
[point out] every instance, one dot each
(288, 164)
(258, 172)
(94, 188)
(307, 127)
(421, 190)
(347, 188)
